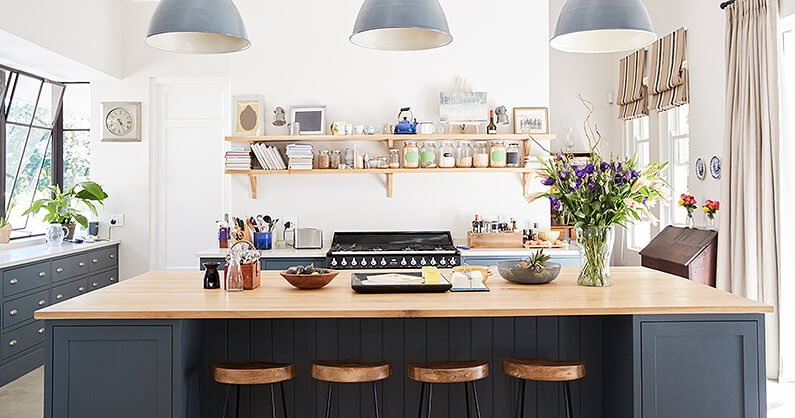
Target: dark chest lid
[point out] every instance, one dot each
(679, 245)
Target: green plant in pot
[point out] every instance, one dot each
(5, 226)
(61, 207)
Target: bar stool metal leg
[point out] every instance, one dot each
(520, 399)
(328, 401)
(284, 400)
(226, 401)
(237, 401)
(375, 399)
(422, 397)
(567, 393)
(273, 402)
(466, 396)
(430, 398)
(475, 396)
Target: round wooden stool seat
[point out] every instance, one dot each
(351, 371)
(543, 370)
(448, 371)
(256, 373)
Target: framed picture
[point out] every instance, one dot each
(249, 115)
(531, 120)
(463, 107)
(311, 118)
(121, 121)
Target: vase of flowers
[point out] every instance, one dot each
(688, 202)
(710, 209)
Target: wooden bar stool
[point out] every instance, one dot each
(544, 371)
(350, 371)
(465, 372)
(259, 373)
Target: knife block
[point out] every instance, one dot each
(251, 275)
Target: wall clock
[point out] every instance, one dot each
(121, 121)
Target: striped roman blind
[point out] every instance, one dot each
(633, 96)
(668, 84)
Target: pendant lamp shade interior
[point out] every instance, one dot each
(601, 26)
(197, 27)
(401, 25)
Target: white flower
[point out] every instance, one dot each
(631, 203)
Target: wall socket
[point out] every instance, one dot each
(116, 220)
(293, 220)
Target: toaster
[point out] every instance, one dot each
(304, 238)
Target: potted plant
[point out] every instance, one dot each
(598, 194)
(61, 206)
(5, 227)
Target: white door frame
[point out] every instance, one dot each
(157, 210)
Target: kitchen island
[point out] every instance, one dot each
(655, 346)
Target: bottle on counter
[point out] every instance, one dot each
(476, 225)
(480, 155)
(492, 128)
(497, 154)
(411, 155)
(513, 155)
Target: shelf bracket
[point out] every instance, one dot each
(390, 183)
(252, 179)
(526, 177)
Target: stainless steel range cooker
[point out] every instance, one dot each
(392, 250)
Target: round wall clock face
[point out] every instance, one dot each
(119, 121)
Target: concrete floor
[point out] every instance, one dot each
(24, 397)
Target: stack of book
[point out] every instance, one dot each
(238, 159)
(300, 156)
(268, 157)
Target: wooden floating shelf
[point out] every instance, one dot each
(526, 172)
(434, 137)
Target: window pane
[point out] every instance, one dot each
(24, 100)
(76, 157)
(10, 78)
(49, 102)
(643, 154)
(15, 146)
(682, 151)
(641, 235)
(77, 107)
(29, 179)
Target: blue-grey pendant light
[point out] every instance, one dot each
(401, 25)
(595, 26)
(197, 27)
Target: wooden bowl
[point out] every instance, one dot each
(310, 281)
(549, 236)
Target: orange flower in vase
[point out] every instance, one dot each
(710, 209)
(688, 202)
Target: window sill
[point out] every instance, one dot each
(23, 242)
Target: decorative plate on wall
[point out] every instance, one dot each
(700, 169)
(715, 167)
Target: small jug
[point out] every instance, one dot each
(55, 234)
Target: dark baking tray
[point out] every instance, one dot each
(359, 287)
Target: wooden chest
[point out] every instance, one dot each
(685, 252)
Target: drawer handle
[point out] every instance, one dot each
(42, 302)
(113, 256)
(42, 274)
(95, 284)
(59, 296)
(81, 289)
(41, 330)
(81, 264)
(13, 312)
(95, 261)
(112, 279)
(59, 270)
(12, 343)
(13, 281)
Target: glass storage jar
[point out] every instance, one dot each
(446, 155)
(480, 155)
(411, 155)
(394, 158)
(324, 160)
(513, 155)
(336, 158)
(463, 155)
(428, 155)
(497, 154)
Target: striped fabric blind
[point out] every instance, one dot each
(668, 84)
(633, 96)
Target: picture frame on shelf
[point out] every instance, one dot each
(312, 119)
(463, 107)
(248, 115)
(531, 120)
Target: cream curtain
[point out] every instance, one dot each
(749, 241)
(633, 95)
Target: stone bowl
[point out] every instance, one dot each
(309, 281)
(512, 272)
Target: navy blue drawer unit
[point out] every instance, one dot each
(30, 286)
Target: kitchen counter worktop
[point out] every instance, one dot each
(29, 253)
(179, 294)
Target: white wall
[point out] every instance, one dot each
(86, 31)
(787, 7)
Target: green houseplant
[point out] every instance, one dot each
(5, 226)
(61, 206)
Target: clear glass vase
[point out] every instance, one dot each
(711, 222)
(690, 222)
(596, 247)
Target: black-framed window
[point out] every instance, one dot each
(38, 145)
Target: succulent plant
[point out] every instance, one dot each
(537, 261)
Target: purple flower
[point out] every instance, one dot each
(555, 203)
(575, 167)
(628, 175)
(549, 181)
(604, 166)
(645, 199)
(635, 174)
(619, 179)
(592, 186)
(560, 156)
(564, 175)
(581, 173)
(578, 183)
(618, 166)
(589, 169)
